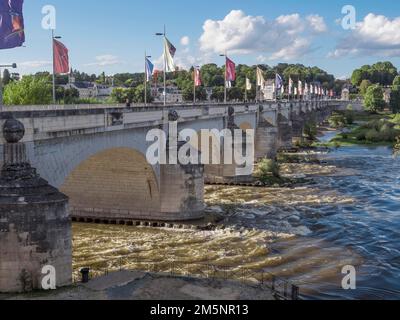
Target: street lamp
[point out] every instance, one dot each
(14, 66)
(164, 34)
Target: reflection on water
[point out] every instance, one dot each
(351, 215)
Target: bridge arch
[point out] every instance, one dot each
(116, 181)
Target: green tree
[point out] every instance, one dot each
(396, 81)
(218, 94)
(365, 84)
(31, 90)
(381, 72)
(138, 94)
(395, 99)
(118, 95)
(6, 77)
(373, 101)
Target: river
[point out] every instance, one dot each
(349, 215)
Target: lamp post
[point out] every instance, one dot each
(164, 34)
(53, 37)
(225, 89)
(14, 66)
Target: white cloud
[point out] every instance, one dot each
(185, 41)
(105, 60)
(34, 64)
(375, 35)
(317, 23)
(286, 37)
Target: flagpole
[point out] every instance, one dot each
(257, 82)
(54, 72)
(165, 67)
(194, 85)
(145, 78)
(225, 88)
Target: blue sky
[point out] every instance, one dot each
(112, 36)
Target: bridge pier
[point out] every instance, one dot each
(267, 135)
(285, 132)
(227, 172)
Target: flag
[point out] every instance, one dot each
(197, 77)
(306, 90)
(290, 85)
(260, 78)
(11, 24)
(169, 54)
(61, 60)
(300, 88)
(248, 84)
(283, 90)
(278, 81)
(149, 69)
(228, 84)
(311, 89)
(230, 70)
(295, 91)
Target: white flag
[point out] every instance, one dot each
(169, 51)
(248, 84)
(260, 78)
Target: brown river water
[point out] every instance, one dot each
(304, 234)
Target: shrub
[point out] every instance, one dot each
(396, 119)
(267, 168)
(388, 134)
(373, 136)
(311, 131)
(349, 115)
(361, 136)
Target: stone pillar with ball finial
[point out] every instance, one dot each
(35, 226)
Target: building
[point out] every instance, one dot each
(345, 94)
(174, 95)
(387, 92)
(268, 91)
(89, 90)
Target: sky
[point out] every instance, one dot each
(112, 36)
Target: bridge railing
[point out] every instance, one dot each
(55, 107)
(281, 288)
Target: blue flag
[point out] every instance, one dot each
(278, 82)
(149, 69)
(11, 24)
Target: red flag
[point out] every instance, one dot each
(230, 70)
(61, 60)
(197, 77)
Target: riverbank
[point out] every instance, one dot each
(363, 129)
(127, 285)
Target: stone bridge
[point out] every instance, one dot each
(96, 155)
